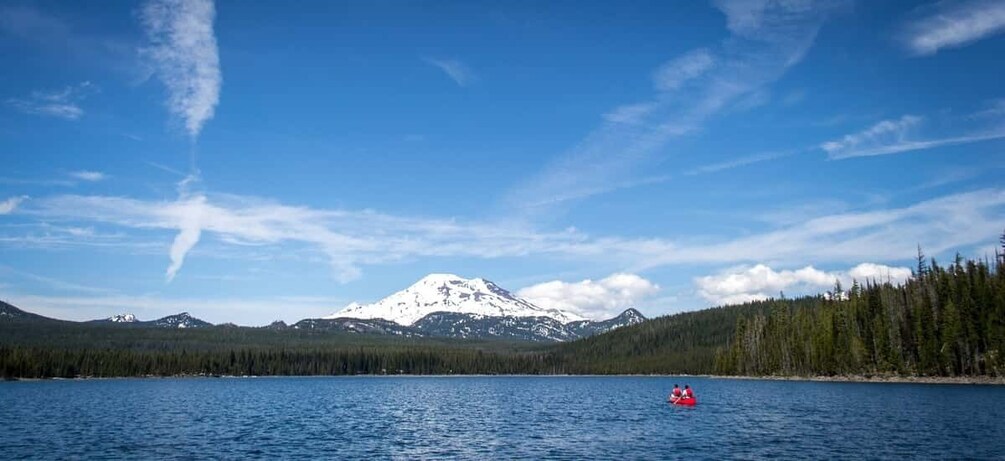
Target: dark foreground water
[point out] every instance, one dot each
(495, 417)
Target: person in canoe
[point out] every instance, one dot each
(675, 393)
(682, 396)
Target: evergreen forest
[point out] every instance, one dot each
(946, 320)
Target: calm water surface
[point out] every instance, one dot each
(495, 417)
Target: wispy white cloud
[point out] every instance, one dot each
(955, 24)
(630, 113)
(900, 135)
(994, 109)
(767, 38)
(183, 51)
(165, 168)
(676, 72)
(8, 206)
(740, 161)
(43, 235)
(52, 109)
(942, 224)
(190, 231)
(190, 209)
(456, 70)
(884, 133)
(90, 176)
(594, 299)
(583, 192)
(63, 103)
(750, 101)
(908, 146)
(744, 284)
(350, 240)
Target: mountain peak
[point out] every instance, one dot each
(632, 312)
(450, 293)
(182, 320)
(440, 277)
(122, 318)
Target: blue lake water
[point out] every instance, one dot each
(495, 417)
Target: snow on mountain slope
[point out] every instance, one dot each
(183, 320)
(122, 318)
(450, 293)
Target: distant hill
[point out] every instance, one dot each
(182, 320)
(9, 313)
(679, 343)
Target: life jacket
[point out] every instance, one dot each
(675, 392)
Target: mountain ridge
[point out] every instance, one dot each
(438, 305)
(477, 326)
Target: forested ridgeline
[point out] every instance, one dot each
(44, 348)
(33, 362)
(41, 348)
(944, 321)
(680, 343)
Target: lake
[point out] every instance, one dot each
(495, 417)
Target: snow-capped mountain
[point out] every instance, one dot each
(453, 294)
(122, 318)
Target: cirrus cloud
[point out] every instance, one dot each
(63, 103)
(766, 39)
(92, 176)
(351, 239)
(902, 135)
(456, 70)
(675, 73)
(184, 55)
(955, 24)
(8, 206)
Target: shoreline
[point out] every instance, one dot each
(889, 379)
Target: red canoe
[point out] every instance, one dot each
(688, 401)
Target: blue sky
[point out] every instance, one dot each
(252, 161)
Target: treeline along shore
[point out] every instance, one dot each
(946, 321)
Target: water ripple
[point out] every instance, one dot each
(494, 417)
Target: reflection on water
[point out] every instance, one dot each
(497, 417)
